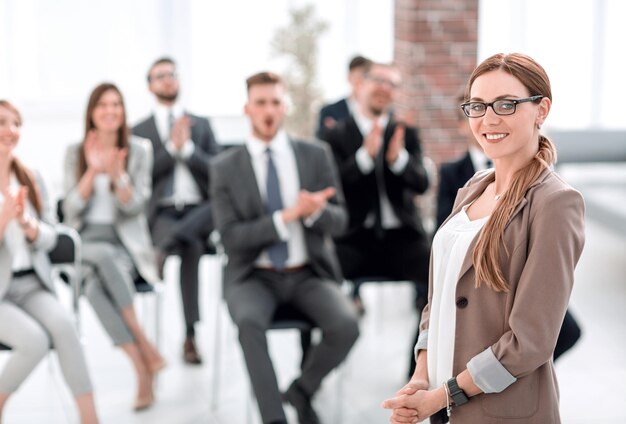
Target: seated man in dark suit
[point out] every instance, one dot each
(179, 211)
(277, 202)
(342, 109)
(380, 163)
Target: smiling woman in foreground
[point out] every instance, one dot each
(502, 266)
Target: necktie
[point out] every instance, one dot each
(278, 251)
(168, 189)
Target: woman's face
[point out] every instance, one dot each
(108, 115)
(9, 130)
(515, 137)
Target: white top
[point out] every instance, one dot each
(285, 162)
(366, 164)
(450, 247)
(102, 209)
(14, 235)
(185, 188)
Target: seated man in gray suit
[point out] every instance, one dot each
(179, 212)
(276, 205)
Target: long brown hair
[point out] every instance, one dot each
(122, 132)
(22, 173)
(488, 248)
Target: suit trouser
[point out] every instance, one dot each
(109, 279)
(185, 231)
(252, 304)
(31, 320)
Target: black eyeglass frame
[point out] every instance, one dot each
(515, 102)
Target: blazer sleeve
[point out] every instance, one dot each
(140, 173)
(47, 236)
(73, 203)
(238, 235)
(334, 217)
(206, 147)
(414, 175)
(555, 243)
(346, 162)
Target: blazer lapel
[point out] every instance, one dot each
(248, 180)
(154, 132)
(471, 193)
(302, 165)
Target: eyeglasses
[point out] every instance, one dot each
(500, 107)
(382, 81)
(164, 75)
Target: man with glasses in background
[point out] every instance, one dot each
(380, 162)
(179, 211)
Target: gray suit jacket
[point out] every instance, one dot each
(246, 228)
(131, 224)
(164, 163)
(45, 242)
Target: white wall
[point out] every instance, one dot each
(52, 53)
(579, 43)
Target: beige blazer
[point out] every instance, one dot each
(45, 242)
(506, 340)
(131, 225)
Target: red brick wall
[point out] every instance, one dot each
(436, 48)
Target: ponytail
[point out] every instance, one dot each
(26, 178)
(486, 255)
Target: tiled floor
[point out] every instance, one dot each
(592, 376)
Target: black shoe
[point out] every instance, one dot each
(190, 352)
(161, 257)
(358, 305)
(302, 402)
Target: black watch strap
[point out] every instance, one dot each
(456, 393)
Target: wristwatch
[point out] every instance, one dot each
(456, 393)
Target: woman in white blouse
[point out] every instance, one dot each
(107, 183)
(31, 318)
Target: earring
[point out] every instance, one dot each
(538, 126)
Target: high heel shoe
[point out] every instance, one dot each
(144, 402)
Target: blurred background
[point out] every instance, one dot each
(52, 53)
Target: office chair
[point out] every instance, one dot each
(65, 259)
(142, 287)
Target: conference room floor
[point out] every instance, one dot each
(592, 376)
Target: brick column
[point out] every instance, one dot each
(436, 48)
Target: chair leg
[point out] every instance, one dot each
(305, 342)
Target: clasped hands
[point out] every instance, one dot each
(414, 402)
(308, 204)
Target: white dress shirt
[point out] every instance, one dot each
(185, 188)
(366, 164)
(14, 235)
(287, 169)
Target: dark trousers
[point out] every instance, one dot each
(252, 304)
(398, 254)
(184, 232)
